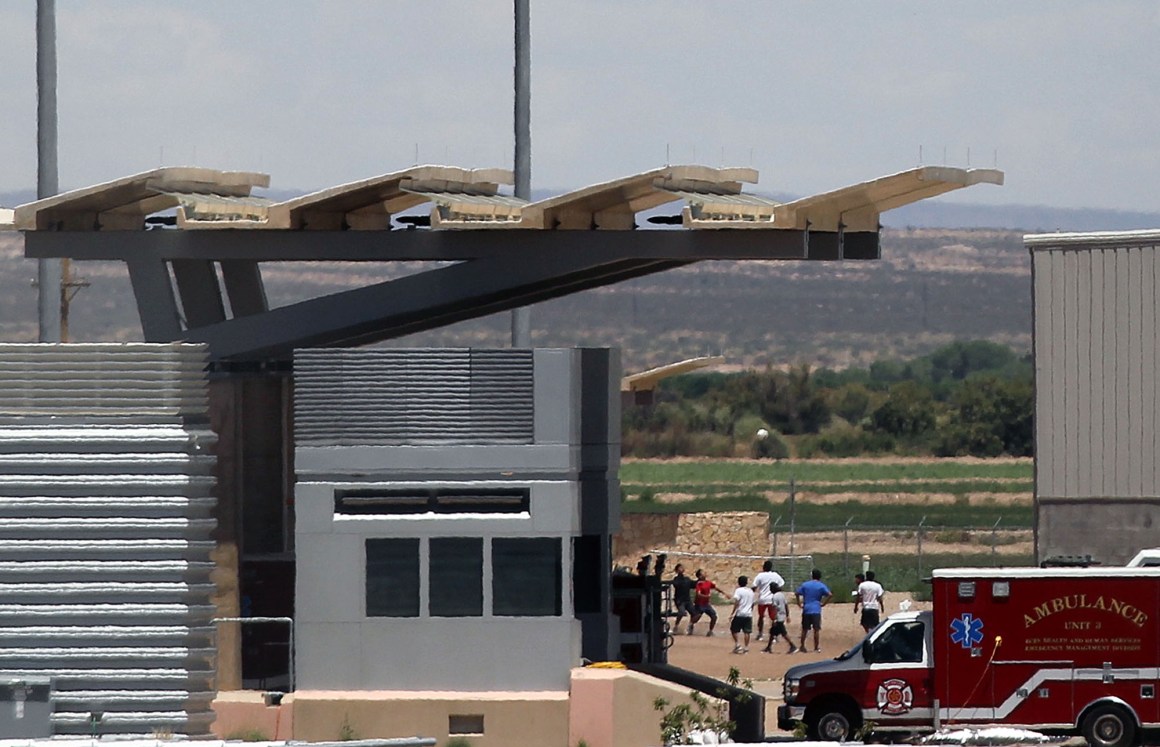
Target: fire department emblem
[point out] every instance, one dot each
(895, 697)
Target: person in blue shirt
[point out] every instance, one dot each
(812, 595)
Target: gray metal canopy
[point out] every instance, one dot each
(506, 252)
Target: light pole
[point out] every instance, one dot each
(48, 271)
(522, 316)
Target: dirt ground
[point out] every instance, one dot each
(713, 656)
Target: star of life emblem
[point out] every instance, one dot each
(966, 630)
(895, 697)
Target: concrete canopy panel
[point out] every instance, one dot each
(7, 219)
(122, 204)
(647, 380)
(857, 207)
(369, 204)
(612, 205)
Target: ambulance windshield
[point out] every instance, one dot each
(858, 646)
(851, 652)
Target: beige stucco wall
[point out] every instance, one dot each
(604, 707)
(509, 718)
(692, 539)
(244, 715)
(614, 707)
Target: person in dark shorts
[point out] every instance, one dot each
(703, 602)
(870, 594)
(741, 622)
(777, 627)
(682, 596)
(812, 596)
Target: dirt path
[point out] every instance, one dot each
(1015, 542)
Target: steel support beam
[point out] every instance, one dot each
(396, 246)
(493, 271)
(414, 303)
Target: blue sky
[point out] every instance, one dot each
(1064, 96)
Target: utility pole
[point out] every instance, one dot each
(48, 271)
(522, 317)
(68, 289)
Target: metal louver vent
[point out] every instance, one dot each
(106, 521)
(135, 382)
(425, 396)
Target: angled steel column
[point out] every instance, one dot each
(48, 271)
(156, 303)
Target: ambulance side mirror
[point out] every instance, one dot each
(867, 653)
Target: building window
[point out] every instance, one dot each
(465, 724)
(392, 577)
(526, 576)
(390, 501)
(456, 588)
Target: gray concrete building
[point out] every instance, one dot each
(1097, 411)
(453, 517)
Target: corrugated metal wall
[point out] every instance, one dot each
(382, 397)
(1097, 359)
(106, 521)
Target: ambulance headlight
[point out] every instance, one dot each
(790, 689)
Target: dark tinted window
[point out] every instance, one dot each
(393, 577)
(456, 588)
(526, 576)
(386, 501)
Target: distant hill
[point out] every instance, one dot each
(931, 287)
(1025, 218)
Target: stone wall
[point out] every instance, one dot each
(698, 541)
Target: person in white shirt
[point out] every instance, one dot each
(777, 627)
(764, 585)
(870, 595)
(742, 620)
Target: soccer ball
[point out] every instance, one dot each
(762, 434)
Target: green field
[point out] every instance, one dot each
(901, 574)
(746, 486)
(735, 472)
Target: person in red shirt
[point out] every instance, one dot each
(703, 603)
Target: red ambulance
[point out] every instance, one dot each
(1057, 649)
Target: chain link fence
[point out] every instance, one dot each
(902, 556)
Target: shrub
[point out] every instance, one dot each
(842, 440)
(700, 714)
(772, 446)
(346, 732)
(248, 735)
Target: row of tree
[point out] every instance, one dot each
(967, 398)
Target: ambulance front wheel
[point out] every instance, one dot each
(1109, 726)
(832, 722)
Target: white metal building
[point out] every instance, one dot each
(1097, 356)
